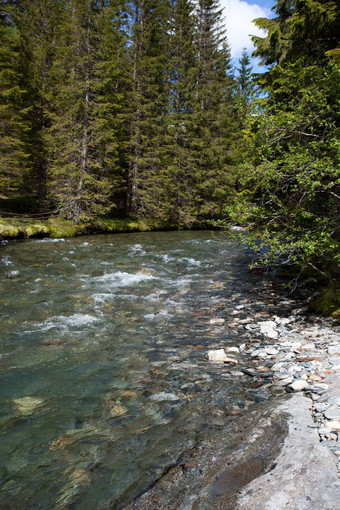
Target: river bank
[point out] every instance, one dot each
(288, 457)
(56, 228)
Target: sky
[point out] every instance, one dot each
(239, 15)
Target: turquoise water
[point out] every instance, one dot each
(103, 361)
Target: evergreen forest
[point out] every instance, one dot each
(132, 108)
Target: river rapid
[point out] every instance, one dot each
(105, 379)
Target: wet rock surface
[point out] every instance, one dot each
(208, 476)
(304, 476)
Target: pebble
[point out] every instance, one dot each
(333, 349)
(220, 356)
(299, 385)
(335, 361)
(163, 397)
(216, 321)
(333, 425)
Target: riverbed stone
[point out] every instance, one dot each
(232, 350)
(164, 396)
(118, 410)
(299, 385)
(216, 321)
(333, 349)
(220, 356)
(28, 405)
(333, 425)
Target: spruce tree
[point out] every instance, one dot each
(38, 22)
(146, 190)
(245, 78)
(111, 95)
(14, 113)
(182, 71)
(81, 138)
(213, 119)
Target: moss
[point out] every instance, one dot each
(328, 303)
(36, 230)
(17, 228)
(63, 228)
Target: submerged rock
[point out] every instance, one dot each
(163, 396)
(28, 405)
(118, 410)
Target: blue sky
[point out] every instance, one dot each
(239, 15)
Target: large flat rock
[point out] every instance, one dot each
(304, 477)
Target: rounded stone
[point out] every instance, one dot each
(299, 385)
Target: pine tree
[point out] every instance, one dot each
(182, 72)
(38, 22)
(81, 139)
(14, 113)
(213, 112)
(146, 190)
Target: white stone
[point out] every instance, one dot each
(333, 425)
(308, 347)
(332, 413)
(285, 381)
(267, 325)
(216, 321)
(299, 385)
(271, 351)
(233, 349)
(242, 347)
(324, 430)
(282, 321)
(333, 349)
(220, 356)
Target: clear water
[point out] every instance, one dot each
(107, 339)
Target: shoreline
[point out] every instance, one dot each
(287, 452)
(29, 228)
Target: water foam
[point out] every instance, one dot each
(49, 240)
(7, 261)
(121, 279)
(64, 322)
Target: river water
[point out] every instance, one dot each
(104, 373)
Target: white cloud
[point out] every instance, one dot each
(239, 15)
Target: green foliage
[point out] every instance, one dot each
(117, 105)
(291, 173)
(14, 114)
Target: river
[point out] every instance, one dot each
(103, 361)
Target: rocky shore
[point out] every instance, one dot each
(303, 353)
(303, 356)
(287, 450)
